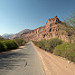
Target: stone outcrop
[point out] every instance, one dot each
(45, 32)
(53, 28)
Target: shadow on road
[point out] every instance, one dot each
(9, 61)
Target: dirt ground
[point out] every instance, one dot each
(55, 65)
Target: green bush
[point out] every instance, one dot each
(66, 50)
(48, 45)
(10, 44)
(2, 47)
(41, 44)
(20, 41)
(58, 47)
(52, 43)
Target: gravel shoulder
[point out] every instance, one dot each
(55, 65)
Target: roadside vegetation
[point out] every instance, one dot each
(20, 41)
(66, 50)
(6, 45)
(49, 44)
(58, 47)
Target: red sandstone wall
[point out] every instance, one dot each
(45, 32)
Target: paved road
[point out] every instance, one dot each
(25, 61)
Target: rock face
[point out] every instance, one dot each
(45, 32)
(53, 28)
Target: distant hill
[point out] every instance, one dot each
(7, 36)
(12, 36)
(18, 35)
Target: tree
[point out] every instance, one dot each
(71, 20)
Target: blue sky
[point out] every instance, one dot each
(17, 15)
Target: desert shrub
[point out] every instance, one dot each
(2, 47)
(48, 45)
(35, 42)
(52, 43)
(41, 44)
(66, 50)
(10, 44)
(20, 41)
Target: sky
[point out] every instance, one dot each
(17, 15)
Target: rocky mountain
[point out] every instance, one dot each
(7, 36)
(54, 28)
(19, 35)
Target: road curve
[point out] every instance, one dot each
(24, 61)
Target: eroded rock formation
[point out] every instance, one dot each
(45, 32)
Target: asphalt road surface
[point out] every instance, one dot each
(24, 61)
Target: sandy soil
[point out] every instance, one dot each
(55, 65)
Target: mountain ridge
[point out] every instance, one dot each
(17, 35)
(54, 28)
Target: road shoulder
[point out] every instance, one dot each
(55, 65)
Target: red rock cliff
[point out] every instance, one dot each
(45, 32)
